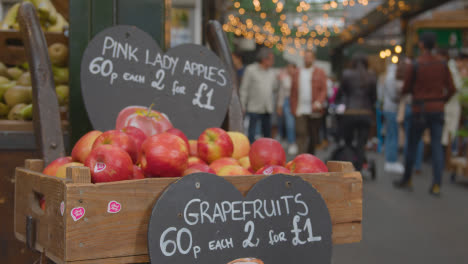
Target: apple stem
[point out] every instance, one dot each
(149, 110)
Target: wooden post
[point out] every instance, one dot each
(34, 164)
(78, 174)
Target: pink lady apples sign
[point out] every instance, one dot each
(123, 66)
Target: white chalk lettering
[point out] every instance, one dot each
(197, 100)
(221, 244)
(165, 62)
(119, 50)
(249, 228)
(134, 77)
(276, 238)
(176, 89)
(285, 198)
(193, 215)
(306, 208)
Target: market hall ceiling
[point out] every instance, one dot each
(381, 15)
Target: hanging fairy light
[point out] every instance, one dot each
(398, 49)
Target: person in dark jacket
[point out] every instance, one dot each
(358, 92)
(429, 82)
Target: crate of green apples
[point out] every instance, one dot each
(16, 90)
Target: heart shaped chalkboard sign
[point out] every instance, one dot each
(203, 218)
(123, 66)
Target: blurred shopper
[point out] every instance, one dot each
(429, 82)
(256, 92)
(238, 65)
(308, 95)
(391, 96)
(358, 92)
(452, 109)
(284, 108)
(404, 119)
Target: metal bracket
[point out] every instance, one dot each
(30, 233)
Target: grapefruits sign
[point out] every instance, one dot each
(202, 218)
(124, 66)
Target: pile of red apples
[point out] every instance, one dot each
(144, 144)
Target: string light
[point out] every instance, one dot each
(395, 59)
(398, 49)
(383, 55)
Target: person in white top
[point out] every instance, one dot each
(283, 109)
(256, 92)
(308, 95)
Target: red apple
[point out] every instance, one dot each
(51, 169)
(195, 160)
(272, 169)
(233, 170)
(241, 144)
(222, 162)
(193, 147)
(42, 203)
(164, 155)
(137, 173)
(118, 139)
(109, 163)
(136, 134)
(266, 151)
(214, 143)
(307, 163)
(180, 134)
(151, 122)
(84, 146)
(198, 168)
(288, 165)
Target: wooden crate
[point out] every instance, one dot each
(122, 238)
(12, 49)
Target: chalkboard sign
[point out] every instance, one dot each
(123, 66)
(203, 218)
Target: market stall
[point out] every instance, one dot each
(100, 211)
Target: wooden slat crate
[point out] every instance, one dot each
(11, 45)
(122, 238)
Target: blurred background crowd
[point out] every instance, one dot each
(411, 103)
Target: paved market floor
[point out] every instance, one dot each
(410, 227)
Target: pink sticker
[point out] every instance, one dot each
(62, 208)
(77, 213)
(113, 207)
(100, 166)
(268, 171)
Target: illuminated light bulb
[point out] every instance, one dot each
(333, 4)
(383, 55)
(398, 49)
(299, 9)
(388, 52)
(263, 15)
(236, 4)
(283, 17)
(395, 59)
(241, 11)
